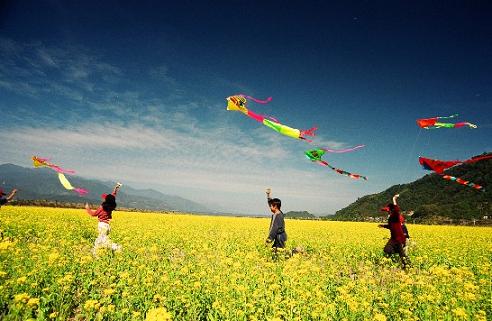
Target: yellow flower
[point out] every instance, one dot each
(33, 302)
(21, 298)
(21, 280)
(5, 245)
(468, 296)
(53, 315)
(91, 305)
(481, 316)
(108, 291)
(158, 314)
(459, 312)
(379, 317)
(53, 257)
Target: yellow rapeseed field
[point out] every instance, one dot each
(185, 267)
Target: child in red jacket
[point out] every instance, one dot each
(397, 241)
(104, 215)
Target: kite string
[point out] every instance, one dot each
(405, 169)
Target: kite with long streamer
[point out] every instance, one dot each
(433, 123)
(240, 103)
(43, 162)
(315, 155)
(439, 166)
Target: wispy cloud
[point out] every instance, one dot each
(95, 119)
(211, 161)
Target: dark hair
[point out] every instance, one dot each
(109, 203)
(275, 201)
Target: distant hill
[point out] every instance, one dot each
(299, 214)
(432, 196)
(43, 184)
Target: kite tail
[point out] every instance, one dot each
(81, 191)
(463, 124)
(308, 132)
(342, 172)
(340, 151)
(463, 182)
(60, 170)
(447, 117)
(256, 100)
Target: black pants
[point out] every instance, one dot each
(394, 247)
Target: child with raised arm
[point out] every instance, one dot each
(5, 200)
(397, 241)
(104, 215)
(277, 235)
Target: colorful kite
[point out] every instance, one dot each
(239, 103)
(43, 162)
(439, 166)
(432, 123)
(315, 155)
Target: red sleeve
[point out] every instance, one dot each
(97, 212)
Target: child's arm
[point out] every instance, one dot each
(394, 199)
(89, 211)
(405, 231)
(274, 229)
(116, 189)
(11, 195)
(384, 225)
(269, 193)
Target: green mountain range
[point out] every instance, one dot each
(432, 196)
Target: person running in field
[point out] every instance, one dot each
(397, 241)
(402, 221)
(277, 235)
(104, 215)
(5, 200)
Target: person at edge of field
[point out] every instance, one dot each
(5, 200)
(104, 215)
(397, 241)
(276, 235)
(402, 221)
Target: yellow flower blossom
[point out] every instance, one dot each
(158, 314)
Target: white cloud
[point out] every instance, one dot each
(220, 163)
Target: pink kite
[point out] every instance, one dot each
(43, 162)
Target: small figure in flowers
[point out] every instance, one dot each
(104, 215)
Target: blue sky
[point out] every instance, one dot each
(136, 92)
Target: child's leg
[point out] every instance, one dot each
(405, 247)
(102, 239)
(389, 248)
(405, 261)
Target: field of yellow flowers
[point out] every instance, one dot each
(185, 267)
